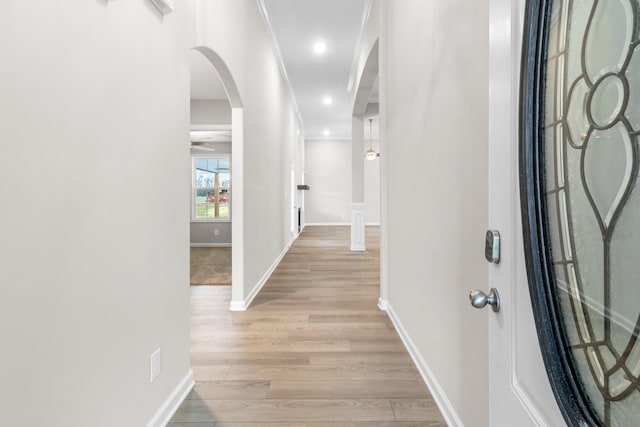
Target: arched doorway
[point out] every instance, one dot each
(366, 106)
(219, 117)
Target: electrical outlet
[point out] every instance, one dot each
(216, 231)
(155, 364)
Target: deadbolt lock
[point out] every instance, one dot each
(492, 246)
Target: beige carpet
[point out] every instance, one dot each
(210, 266)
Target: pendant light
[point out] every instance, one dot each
(371, 153)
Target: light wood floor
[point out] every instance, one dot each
(313, 350)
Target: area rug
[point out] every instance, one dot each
(210, 266)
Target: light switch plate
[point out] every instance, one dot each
(155, 364)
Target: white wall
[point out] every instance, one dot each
(434, 98)
(300, 195)
(328, 172)
(210, 111)
(94, 269)
(372, 183)
(236, 32)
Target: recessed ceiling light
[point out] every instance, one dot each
(327, 100)
(319, 47)
(326, 132)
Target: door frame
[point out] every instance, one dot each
(237, 191)
(520, 393)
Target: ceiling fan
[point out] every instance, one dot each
(201, 146)
(201, 139)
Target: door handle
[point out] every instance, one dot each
(479, 299)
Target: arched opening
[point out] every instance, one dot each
(216, 152)
(363, 87)
(368, 135)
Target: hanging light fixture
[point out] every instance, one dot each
(371, 154)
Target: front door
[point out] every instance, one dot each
(580, 161)
(520, 394)
(576, 173)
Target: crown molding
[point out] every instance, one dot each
(356, 54)
(276, 50)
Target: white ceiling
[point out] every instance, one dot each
(297, 25)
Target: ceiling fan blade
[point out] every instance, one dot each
(201, 147)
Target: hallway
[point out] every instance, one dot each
(313, 349)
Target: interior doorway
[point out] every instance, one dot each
(210, 147)
(370, 142)
(216, 201)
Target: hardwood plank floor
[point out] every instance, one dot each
(313, 350)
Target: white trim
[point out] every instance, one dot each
(212, 127)
(237, 306)
(383, 305)
(339, 224)
(278, 55)
(438, 394)
(358, 227)
(211, 245)
(173, 402)
(163, 6)
(327, 224)
(244, 305)
(328, 138)
(237, 214)
(384, 164)
(356, 55)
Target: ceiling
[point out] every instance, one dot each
(297, 25)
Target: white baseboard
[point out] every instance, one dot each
(339, 224)
(244, 305)
(327, 224)
(173, 402)
(382, 304)
(237, 306)
(439, 396)
(210, 245)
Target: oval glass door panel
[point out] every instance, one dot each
(588, 121)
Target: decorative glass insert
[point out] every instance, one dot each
(580, 127)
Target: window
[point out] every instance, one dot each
(211, 188)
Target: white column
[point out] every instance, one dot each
(237, 211)
(357, 185)
(357, 227)
(383, 301)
